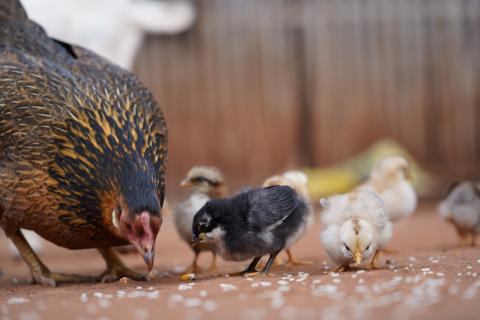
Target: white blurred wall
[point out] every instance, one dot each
(111, 28)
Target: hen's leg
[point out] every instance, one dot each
(116, 269)
(39, 271)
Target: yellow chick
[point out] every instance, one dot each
(355, 228)
(390, 178)
(298, 181)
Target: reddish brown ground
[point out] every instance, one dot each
(448, 289)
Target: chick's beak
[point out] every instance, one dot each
(358, 257)
(185, 183)
(196, 239)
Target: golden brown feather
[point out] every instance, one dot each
(81, 138)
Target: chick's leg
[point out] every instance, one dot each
(251, 269)
(270, 261)
(293, 262)
(39, 271)
(373, 263)
(193, 268)
(116, 269)
(341, 268)
(213, 266)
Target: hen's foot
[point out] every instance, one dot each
(54, 278)
(117, 272)
(116, 269)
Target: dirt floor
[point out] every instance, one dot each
(430, 278)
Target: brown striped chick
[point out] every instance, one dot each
(355, 228)
(390, 178)
(205, 183)
(298, 181)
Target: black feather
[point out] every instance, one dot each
(255, 222)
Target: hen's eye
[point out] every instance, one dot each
(346, 247)
(129, 226)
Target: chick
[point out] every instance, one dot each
(205, 183)
(390, 179)
(461, 207)
(355, 228)
(299, 182)
(252, 224)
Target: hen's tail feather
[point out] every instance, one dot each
(12, 10)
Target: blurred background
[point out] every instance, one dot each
(256, 87)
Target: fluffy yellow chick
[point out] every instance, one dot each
(298, 181)
(205, 183)
(390, 178)
(355, 228)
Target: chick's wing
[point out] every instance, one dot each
(269, 207)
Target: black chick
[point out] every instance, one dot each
(251, 224)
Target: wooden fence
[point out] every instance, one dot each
(258, 86)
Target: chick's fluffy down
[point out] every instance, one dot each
(364, 205)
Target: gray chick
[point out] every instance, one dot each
(461, 207)
(205, 183)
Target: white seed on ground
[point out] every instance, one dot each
(17, 300)
(184, 287)
(203, 293)
(84, 297)
(104, 303)
(228, 287)
(192, 302)
(210, 306)
(153, 294)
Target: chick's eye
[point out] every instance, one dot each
(346, 247)
(368, 247)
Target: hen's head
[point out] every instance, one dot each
(136, 212)
(139, 222)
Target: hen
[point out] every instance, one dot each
(82, 153)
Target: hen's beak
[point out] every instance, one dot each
(149, 257)
(185, 184)
(358, 257)
(198, 239)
